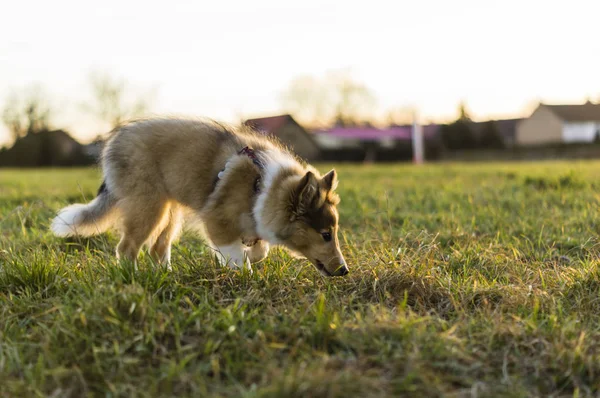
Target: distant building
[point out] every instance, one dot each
(94, 149)
(340, 137)
(550, 124)
(289, 132)
(507, 129)
(359, 143)
(55, 148)
(370, 143)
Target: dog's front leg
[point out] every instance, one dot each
(258, 251)
(234, 256)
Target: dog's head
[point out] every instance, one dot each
(313, 222)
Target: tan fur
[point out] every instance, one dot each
(227, 220)
(158, 170)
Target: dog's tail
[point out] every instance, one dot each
(87, 219)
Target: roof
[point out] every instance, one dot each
(506, 127)
(376, 134)
(60, 135)
(588, 112)
(272, 124)
(269, 125)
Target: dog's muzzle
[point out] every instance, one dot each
(340, 271)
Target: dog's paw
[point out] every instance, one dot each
(250, 240)
(234, 257)
(258, 251)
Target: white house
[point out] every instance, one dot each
(550, 124)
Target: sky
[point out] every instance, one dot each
(229, 59)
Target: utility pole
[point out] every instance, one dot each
(417, 140)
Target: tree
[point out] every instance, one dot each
(354, 101)
(336, 98)
(463, 114)
(458, 135)
(307, 99)
(400, 116)
(491, 136)
(111, 103)
(28, 113)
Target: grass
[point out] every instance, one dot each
(466, 280)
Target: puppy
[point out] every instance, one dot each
(248, 191)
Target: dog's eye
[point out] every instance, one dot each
(326, 236)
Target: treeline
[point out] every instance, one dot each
(37, 141)
(466, 134)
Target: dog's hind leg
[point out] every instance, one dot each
(161, 249)
(141, 217)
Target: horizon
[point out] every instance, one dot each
(232, 60)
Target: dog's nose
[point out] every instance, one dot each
(344, 270)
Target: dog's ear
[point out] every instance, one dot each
(330, 180)
(306, 192)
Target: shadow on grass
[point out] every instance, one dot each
(100, 244)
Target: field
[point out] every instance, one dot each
(466, 280)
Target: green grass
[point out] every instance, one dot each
(466, 280)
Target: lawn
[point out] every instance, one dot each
(466, 280)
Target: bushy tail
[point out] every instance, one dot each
(86, 219)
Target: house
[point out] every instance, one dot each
(354, 137)
(550, 124)
(506, 128)
(54, 148)
(371, 143)
(288, 131)
(94, 148)
(360, 143)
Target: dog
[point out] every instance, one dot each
(248, 191)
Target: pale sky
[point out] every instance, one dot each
(223, 59)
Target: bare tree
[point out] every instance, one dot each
(308, 99)
(400, 116)
(111, 104)
(463, 113)
(27, 113)
(336, 98)
(355, 102)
